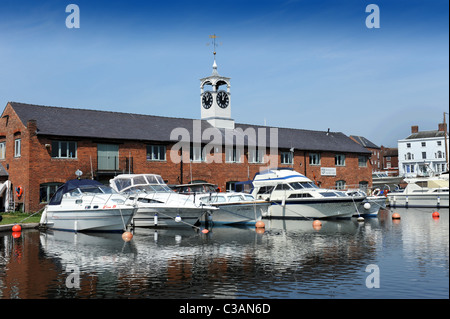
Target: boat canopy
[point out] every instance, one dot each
(70, 186)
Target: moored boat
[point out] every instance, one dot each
(431, 191)
(83, 205)
(294, 196)
(232, 207)
(157, 204)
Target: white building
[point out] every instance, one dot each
(422, 151)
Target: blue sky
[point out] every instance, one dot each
(302, 64)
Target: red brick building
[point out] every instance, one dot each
(42, 147)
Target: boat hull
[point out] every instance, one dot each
(167, 216)
(418, 200)
(321, 209)
(240, 212)
(376, 203)
(102, 220)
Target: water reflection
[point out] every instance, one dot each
(290, 259)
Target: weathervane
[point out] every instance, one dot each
(213, 42)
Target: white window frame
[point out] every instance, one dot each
(2, 150)
(287, 158)
(339, 159)
(17, 147)
(314, 159)
(59, 143)
(232, 155)
(160, 150)
(256, 156)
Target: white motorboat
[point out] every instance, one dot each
(87, 205)
(157, 204)
(293, 195)
(429, 191)
(233, 207)
(370, 206)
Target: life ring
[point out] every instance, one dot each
(19, 191)
(376, 192)
(218, 190)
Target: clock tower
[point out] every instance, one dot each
(215, 99)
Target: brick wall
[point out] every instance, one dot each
(36, 166)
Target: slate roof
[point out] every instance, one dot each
(364, 141)
(85, 123)
(426, 134)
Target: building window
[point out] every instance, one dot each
(340, 184)
(439, 143)
(196, 154)
(17, 147)
(2, 150)
(362, 161)
(314, 159)
(339, 160)
(64, 149)
(156, 152)
(424, 155)
(439, 154)
(233, 155)
(47, 190)
(388, 165)
(256, 156)
(408, 145)
(409, 156)
(424, 144)
(287, 158)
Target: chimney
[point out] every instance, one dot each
(415, 129)
(442, 127)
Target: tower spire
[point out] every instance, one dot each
(214, 37)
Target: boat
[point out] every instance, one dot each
(370, 206)
(83, 205)
(429, 191)
(157, 204)
(382, 181)
(232, 207)
(294, 196)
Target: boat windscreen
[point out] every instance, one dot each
(122, 183)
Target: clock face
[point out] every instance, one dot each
(222, 99)
(207, 100)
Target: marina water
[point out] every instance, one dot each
(377, 258)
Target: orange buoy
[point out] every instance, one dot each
(317, 224)
(260, 224)
(16, 228)
(205, 231)
(395, 216)
(127, 236)
(435, 215)
(16, 234)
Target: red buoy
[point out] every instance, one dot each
(435, 215)
(16, 228)
(127, 236)
(205, 231)
(260, 224)
(395, 216)
(317, 224)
